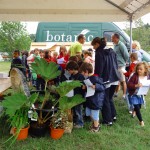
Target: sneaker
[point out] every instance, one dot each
(115, 119)
(115, 94)
(95, 129)
(77, 126)
(107, 123)
(142, 124)
(130, 112)
(124, 97)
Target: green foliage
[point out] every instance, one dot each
(13, 103)
(16, 102)
(17, 107)
(66, 87)
(20, 119)
(141, 33)
(13, 35)
(66, 103)
(125, 134)
(47, 71)
(32, 98)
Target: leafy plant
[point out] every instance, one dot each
(65, 103)
(16, 107)
(47, 71)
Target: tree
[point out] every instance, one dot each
(141, 33)
(32, 37)
(13, 35)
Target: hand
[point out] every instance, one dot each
(139, 85)
(83, 87)
(93, 86)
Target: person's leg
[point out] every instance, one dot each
(42, 84)
(123, 81)
(38, 84)
(106, 110)
(78, 112)
(117, 90)
(124, 86)
(95, 118)
(138, 113)
(112, 106)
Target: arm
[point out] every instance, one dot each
(124, 52)
(98, 84)
(99, 64)
(133, 83)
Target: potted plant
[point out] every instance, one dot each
(60, 119)
(16, 107)
(55, 94)
(48, 71)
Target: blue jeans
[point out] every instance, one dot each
(78, 116)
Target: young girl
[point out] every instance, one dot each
(135, 82)
(93, 103)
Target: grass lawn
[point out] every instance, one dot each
(5, 66)
(125, 134)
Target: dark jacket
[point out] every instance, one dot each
(95, 102)
(78, 90)
(132, 82)
(17, 63)
(106, 64)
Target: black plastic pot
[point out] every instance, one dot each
(38, 131)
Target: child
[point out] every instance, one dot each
(54, 57)
(72, 67)
(93, 103)
(134, 61)
(17, 62)
(135, 82)
(41, 53)
(88, 57)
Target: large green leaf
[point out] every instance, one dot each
(33, 98)
(66, 103)
(46, 70)
(13, 103)
(66, 87)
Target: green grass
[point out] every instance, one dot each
(124, 134)
(5, 66)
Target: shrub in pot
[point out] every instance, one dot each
(16, 107)
(48, 71)
(60, 119)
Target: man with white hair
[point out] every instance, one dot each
(122, 58)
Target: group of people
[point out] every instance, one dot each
(106, 73)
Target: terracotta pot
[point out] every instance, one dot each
(56, 133)
(23, 134)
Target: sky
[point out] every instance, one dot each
(32, 26)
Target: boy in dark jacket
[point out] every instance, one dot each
(72, 67)
(17, 62)
(93, 103)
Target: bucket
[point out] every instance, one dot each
(56, 133)
(23, 134)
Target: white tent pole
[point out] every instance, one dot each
(131, 19)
